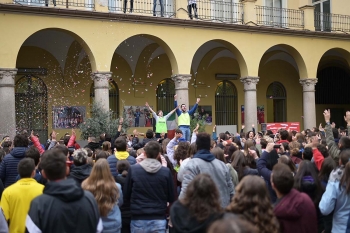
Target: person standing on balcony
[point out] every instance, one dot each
(161, 7)
(184, 119)
(131, 5)
(192, 4)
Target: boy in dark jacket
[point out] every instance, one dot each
(8, 167)
(295, 211)
(149, 187)
(120, 154)
(64, 206)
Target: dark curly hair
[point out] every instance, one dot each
(181, 151)
(252, 201)
(202, 197)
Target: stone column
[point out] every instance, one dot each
(101, 86)
(309, 108)
(7, 102)
(250, 105)
(181, 88)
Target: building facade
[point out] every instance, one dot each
(288, 59)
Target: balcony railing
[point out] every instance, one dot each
(88, 4)
(279, 17)
(332, 22)
(163, 8)
(218, 10)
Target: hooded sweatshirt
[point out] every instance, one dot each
(149, 186)
(80, 173)
(204, 162)
(8, 167)
(119, 155)
(296, 213)
(64, 207)
(183, 222)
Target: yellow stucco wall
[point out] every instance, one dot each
(100, 38)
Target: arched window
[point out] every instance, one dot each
(113, 97)
(165, 95)
(226, 104)
(276, 102)
(31, 106)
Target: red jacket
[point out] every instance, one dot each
(37, 144)
(318, 158)
(296, 213)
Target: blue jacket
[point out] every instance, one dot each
(190, 112)
(336, 198)
(265, 172)
(8, 167)
(112, 223)
(148, 192)
(112, 161)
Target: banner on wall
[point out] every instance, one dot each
(274, 127)
(260, 114)
(67, 117)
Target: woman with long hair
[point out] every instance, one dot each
(240, 165)
(294, 152)
(327, 167)
(200, 206)
(288, 161)
(337, 195)
(220, 155)
(251, 200)
(306, 181)
(192, 150)
(180, 153)
(108, 195)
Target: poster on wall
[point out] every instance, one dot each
(260, 114)
(138, 116)
(204, 112)
(67, 117)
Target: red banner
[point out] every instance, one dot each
(283, 125)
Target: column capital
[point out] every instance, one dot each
(7, 73)
(181, 78)
(98, 76)
(249, 82)
(308, 84)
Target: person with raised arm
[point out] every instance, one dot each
(184, 120)
(161, 126)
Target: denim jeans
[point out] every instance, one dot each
(148, 226)
(186, 133)
(161, 7)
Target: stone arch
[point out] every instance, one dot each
(225, 45)
(162, 44)
(287, 50)
(69, 34)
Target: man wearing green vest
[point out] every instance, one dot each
(184, 119)
(161, 126)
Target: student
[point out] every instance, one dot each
(252, 202)
(149, 187)
(64, 206)
(199, 207)
(16, 198)
(294, 210)
(108, 195)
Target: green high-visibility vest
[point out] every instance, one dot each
(161, 126)
(184, 119)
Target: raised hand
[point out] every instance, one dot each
(147, 105)
(121, 120)
(198, 99)
(327, 115)
(347, 117)
(175, 97)
(73, 132)
(320, 127)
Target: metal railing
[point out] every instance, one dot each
(89, 4)
(162, 8)
(331, 22)
(279, 17)
(216, 10)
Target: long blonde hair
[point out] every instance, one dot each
(102, 185)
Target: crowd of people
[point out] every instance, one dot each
(265, 182)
